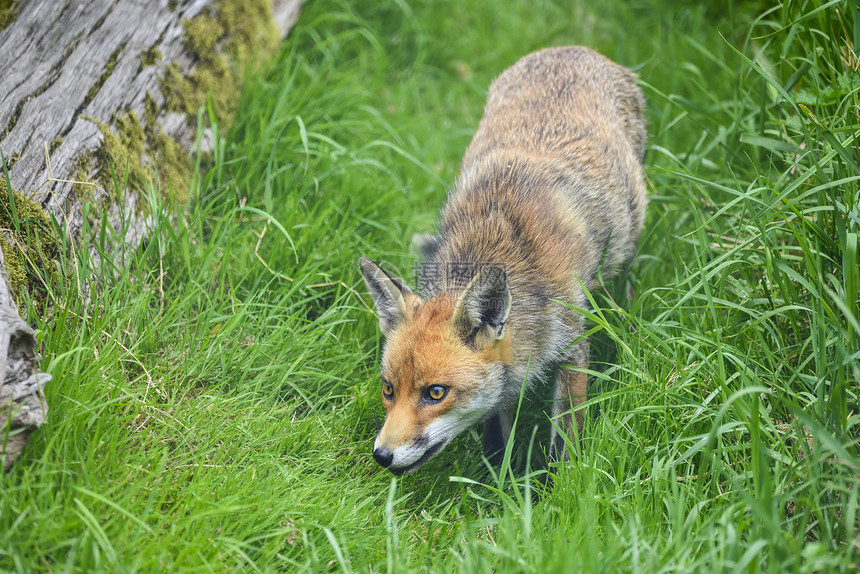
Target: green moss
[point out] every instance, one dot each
(124, 147)
(83, 166)
(30, 249)
(150, 108)
(55, 143)
(202, 34)
(221, 41)
(14, 268)
(177, 89)
(126, 142)
(235, 29)
(149, 58)
(8, 12)
(249, 26)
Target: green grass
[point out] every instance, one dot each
(216, 396)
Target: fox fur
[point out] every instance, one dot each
(551, 190)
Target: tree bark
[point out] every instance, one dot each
(22, 401)
(72, 70)
(68, 63)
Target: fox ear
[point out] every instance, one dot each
(389, 295)
(483, 307)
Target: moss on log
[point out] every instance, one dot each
(92, 88)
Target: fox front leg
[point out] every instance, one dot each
(570, 391)
(497, 433)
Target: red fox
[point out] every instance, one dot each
(551, 189)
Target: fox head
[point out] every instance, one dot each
(443, 363)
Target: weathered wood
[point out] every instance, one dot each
(77, 74)
(68, 63)
(22, 402)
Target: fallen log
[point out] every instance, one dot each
(92, 88)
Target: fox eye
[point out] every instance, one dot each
(388, 390)
(435, 393)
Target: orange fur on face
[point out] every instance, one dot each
(425, 350)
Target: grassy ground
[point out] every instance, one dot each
(214, 404)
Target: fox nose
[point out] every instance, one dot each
(383, 456)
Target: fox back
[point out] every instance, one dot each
(551, 190)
